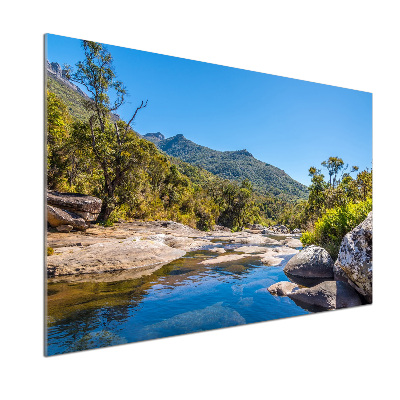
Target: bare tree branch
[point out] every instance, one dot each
(142, 105)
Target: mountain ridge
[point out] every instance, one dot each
(236, 165)
(233, 165)
(59, 84)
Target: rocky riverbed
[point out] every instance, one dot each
(141, 246)
(146, 279)
(133, 249)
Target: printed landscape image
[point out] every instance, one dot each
(184, 196)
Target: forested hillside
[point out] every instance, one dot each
(74, 98)
(91, 152)
(234, 165)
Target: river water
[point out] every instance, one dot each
(181, 297)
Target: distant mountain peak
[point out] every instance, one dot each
(154, 137)
(243, 152)
(55, 70)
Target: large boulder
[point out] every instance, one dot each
(57, 217)
(327, 295)
(355, 259)
(311, 262)
(282, 288)
(87, 207)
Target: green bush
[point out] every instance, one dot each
(50, 251)
(333, 225)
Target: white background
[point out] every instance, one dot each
(344, 354)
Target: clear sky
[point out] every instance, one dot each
(289, 123)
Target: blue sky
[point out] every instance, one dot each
(289, 123)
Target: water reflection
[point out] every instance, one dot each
(306, 282)
(211, 317)
(181, 297)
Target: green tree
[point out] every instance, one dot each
(58, 120)
(334, 165)
(364, 181)
(114, 146)
(316, 199)
(333, 225)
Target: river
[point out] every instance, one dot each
(183, 296)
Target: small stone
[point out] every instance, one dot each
(64, 228)
(282, 288)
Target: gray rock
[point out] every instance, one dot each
(279, 229)
(339, 274)
(296, 231)
(354, 261)
(112, 255)
(291, 242)
(282, 288)
(211, 317)
(256, 227)
(218, 250)
(266, 231)
(57, 217)
(87, 207)
(220, 228)
(311, 262)
(54, 70)
(328, 295)
(64, 228)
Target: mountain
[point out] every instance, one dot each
(154, 137)
(235, 165)
(68, 92)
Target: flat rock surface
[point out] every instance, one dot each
(139, 246)
(223, 259)
(274, 256)
(218, 250)
(131, 246)
(141, 230)
(113, 255)
(268, 255)
(74, 201)
(244, 237)
(251, 249)
(292, 242)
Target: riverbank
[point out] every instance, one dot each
(138, 247)
(223, 284)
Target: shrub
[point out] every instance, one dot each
(50, 251)
(333, 225)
